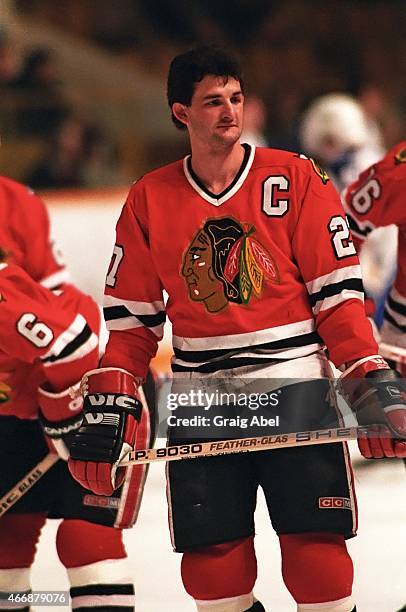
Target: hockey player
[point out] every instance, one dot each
(376, 199)
(335, 131)
(48, 339)
(254, 251)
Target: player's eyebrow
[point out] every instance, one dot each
(215, 96)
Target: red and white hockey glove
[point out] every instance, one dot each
(60, 416)
(375, 393)
(112, 411)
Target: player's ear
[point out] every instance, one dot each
(179, 110)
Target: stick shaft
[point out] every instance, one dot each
(226, 447)
(11, 497)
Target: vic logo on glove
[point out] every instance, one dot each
(111, 399)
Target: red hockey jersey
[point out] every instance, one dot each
(374, 200)
(265, 271)
(43, 335)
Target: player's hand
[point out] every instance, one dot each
(60, 416)
(112, 411)
(375, 393)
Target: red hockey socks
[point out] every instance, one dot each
(221, 576)
(318, 571)
(97, 567)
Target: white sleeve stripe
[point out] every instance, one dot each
(334, 300)
(336, 276)
(66, 337)
(54, 280)
(142, 308)
(80, 352)
(398, 318)
(127, 323)
(397, 297)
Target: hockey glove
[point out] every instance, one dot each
(112, 411)
(60, 416)
(375, 393)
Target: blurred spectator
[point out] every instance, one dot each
(40, 83)
(9, 65)
(254, 125)
(337, 133)
(78, 155)
(383, 116)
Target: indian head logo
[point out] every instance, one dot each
(400, 156)
(225, 263)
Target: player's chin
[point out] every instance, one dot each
(229, 136)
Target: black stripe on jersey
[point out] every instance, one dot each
(102, 589)
(393, 322)
(112, 313)
(227, 364)
(353, 284)
(354, 227)
(70, 348)
(396, 306)
(267, 347)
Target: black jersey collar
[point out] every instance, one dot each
(220, 198)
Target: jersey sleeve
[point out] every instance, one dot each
(58, 331)
(331, 271)
(42, 260)
(133, 304)
(375, 199)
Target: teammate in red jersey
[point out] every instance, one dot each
(50, 334)
(375, 200)
(254, 251)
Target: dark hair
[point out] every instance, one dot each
(191, 67)
(223, 233)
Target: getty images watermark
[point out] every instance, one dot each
(197, 398)
(209, 401)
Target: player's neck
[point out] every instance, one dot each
(217, 169)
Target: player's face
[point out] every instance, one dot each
(216, 111)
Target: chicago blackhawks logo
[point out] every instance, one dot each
(5, 392)
(400, 156)
(225, 263)
(322, 174)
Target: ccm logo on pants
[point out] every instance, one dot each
(335, 502)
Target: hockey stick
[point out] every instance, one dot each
(29, 480)
(244, 445)
(395, 353)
